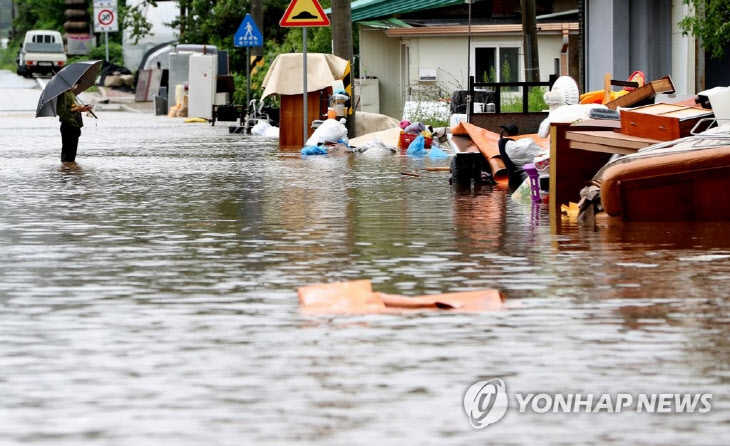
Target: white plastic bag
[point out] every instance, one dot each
(376, 147)
(260, 128)
(331, 130)
(272, 132)
(522, 151)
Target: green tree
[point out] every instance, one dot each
(134, 20)
(711, 23)
(38, 14)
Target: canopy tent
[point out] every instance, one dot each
(285, 76)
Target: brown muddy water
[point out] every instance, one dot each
(148, 296)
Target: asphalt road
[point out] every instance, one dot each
(18, 93)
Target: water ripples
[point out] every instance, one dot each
(148, 296)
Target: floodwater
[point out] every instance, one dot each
(148, 296)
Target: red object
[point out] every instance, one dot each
(638, 77)
(407, 138)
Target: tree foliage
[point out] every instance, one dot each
(212, 22)
(134, 20)
(38, 14)
(710, 23)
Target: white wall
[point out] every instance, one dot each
(449, 55)
(683, 52)
(380, 56)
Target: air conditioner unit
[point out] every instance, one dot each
(426, 74)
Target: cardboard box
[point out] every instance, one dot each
(663, 122)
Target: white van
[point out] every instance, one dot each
(42, 52)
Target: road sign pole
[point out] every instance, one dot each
(304, 18)
(248, 76)
(304, 81)
(106, 37)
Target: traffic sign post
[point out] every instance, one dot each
(304, 14)
(248, 35)
(105, 19)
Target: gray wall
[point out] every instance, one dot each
(624, 36)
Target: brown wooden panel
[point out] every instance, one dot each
(678, 196)
(570, 169)
(642, 94)
(612, 142)
(291, 118)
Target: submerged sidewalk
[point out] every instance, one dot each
(110, 99)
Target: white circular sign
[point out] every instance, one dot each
(106, 17)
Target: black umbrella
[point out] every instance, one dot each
(81, 74)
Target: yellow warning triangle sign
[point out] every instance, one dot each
(303, 13)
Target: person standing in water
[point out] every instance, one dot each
(69, 113)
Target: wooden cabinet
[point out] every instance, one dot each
(291, 117)
(664, 122)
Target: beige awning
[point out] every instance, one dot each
(287, 73)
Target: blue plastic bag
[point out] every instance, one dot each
(313, 150)
(417, 147)
(437, 153)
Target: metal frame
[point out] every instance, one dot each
(498, 93)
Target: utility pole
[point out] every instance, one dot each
(183, 17)
(342, 47)
(529, 38)
(13, 13)
(257, 14)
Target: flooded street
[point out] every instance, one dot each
(148, 296)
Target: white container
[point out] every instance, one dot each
(202, 85)
(720, 101)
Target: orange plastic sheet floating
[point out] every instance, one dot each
(358, 297)
(488, 144)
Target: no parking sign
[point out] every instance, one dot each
(105, 16)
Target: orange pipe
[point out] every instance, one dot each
(488, 143)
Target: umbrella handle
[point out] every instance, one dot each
(89, 111)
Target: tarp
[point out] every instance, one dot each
(374, 122)
(388, 137)
(285, 75)
(358, 297)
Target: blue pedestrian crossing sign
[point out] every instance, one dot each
(247, 34)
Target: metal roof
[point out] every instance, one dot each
(373, 9)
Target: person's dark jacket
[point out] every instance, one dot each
(63, 110)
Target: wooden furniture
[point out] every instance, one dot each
(577, 153)
(606, 142)
(665, 122)
(291, 117)
(675, 186)
(643, 94)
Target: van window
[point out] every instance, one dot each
(43, 38)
